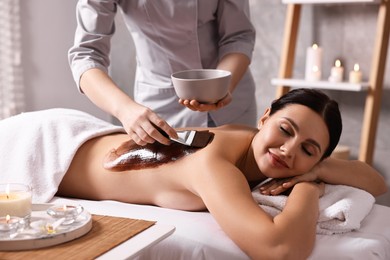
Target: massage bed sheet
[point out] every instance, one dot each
(198, 236)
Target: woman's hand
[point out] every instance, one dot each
(278, 186)
(203, 107)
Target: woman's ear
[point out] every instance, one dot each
(263, 118)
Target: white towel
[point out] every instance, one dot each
(36, 148)
(341, 208)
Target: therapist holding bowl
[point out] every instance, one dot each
(169, 36)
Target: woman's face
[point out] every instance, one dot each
(290, 142)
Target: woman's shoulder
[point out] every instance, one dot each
(235, 127)
(234, 132)
(232, 139)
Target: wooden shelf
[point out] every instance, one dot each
(374, 86)
(330, 1)
(345, 86)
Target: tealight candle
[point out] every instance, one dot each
(313, 63)
(15, 200)
(9, 226)
(68, 212)
(355, 76)
(315, 74)
(336, 73)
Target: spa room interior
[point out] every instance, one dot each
(346, 32)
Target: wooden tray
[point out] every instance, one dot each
(31, 238)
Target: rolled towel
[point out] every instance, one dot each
(341, 208)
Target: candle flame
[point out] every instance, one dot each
(7, 218)
(315, 69)
(315, 46)
(356, 67)
(337, 63)
(7, 190)
(50, 229)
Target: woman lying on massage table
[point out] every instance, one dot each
(294, 137)
(293, 140)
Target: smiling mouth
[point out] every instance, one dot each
(277, 161)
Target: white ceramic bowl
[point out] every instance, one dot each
(203, 85)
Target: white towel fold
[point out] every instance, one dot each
(341, 208)
(36, 148)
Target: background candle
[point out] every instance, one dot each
(315, 74)
(355, 76)
(313, 59)
(15, 200)
(336, 73)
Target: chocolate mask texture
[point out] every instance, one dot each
(130, 156)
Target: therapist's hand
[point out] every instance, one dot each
(140, 123)
(203, 107)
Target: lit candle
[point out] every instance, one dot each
(67, 212)
(313, 63)
(15, 200)
(315, 74)
(336, 73)
(355, 76)
(9, 226)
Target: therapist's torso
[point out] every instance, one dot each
(175, 35)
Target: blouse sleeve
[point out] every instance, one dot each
(236, 31)
(95, 27)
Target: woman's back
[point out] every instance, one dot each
(169, 184)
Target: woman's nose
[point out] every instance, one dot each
(289, 148)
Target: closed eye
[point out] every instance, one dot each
(306, 151)
(285, 131)
(309, 143)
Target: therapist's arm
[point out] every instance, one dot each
(136, 119)
(237, 64)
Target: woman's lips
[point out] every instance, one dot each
(277, 161)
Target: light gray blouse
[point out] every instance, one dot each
(169, 36)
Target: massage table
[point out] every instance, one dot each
(198, 236)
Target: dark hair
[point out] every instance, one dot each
(319, 102)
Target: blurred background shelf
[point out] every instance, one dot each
(301, 83)
(330, 1)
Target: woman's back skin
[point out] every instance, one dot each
(171, 185)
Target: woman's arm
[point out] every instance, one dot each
(290, 235)
(352, 173)
(335, 171)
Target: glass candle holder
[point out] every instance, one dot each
(9, 226)
(68, 212)
(15, 200)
